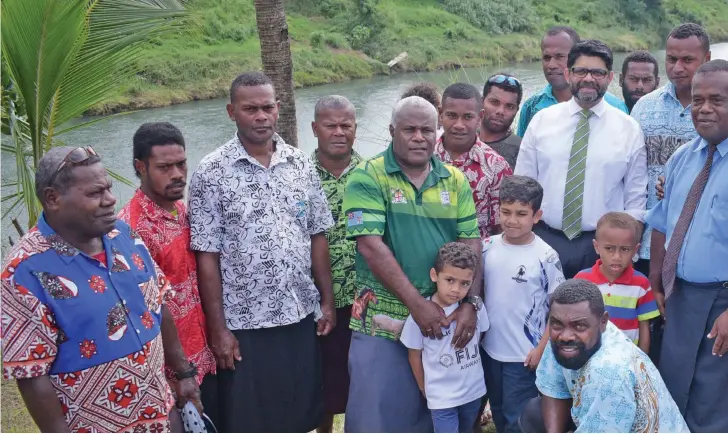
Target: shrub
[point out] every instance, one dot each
(492, 16)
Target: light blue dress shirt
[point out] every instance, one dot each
(545, 98)
(666, 125)
(704, 254)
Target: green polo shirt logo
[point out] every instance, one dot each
(413, 223)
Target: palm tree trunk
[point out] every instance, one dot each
(275, 53)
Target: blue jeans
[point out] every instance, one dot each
(456, 419)
(510, 387)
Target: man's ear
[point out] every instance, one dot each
(604, 321)
(621, 80)
(313, 128)
(140, 167)
(231, 111)
(391, 130)
(51, 199)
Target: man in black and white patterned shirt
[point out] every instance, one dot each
(258, 217)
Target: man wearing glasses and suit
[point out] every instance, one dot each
(589, 157)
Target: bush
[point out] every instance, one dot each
(317, 39)
(360, 36)
(493, 16)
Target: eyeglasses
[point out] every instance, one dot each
(597, 73)
(500, 78)
(77, 156)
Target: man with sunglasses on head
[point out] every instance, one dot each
(502, 96)
(589, 157)
(84, 313)
(461, 114)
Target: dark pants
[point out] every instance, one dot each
(510, 387)
(696, 379)
(531, 420)
(383, 393)
(575, 255)
(456, 419)
(277, 385)
(335, 358)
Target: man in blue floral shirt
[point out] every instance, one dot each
(82, 311)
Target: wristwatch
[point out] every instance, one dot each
(476, 301)
(191, 372)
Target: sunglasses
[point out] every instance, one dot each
(77, 156)
(500, 78)
(597, 73)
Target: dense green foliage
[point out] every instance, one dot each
(336, 40)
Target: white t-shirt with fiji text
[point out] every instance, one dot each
(452, 377)
(518, 280)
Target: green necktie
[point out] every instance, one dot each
(574, 190)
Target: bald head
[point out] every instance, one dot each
(413, 104)
(49, 164)
(335, 103)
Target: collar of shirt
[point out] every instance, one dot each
(392, 166)
(548, 93)
(283, 151)
(624, 279)
(66, 251)
(575, 108)
(355, 160)
(152, 210)
(722, 147)
(476, 154)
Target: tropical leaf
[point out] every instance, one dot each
(59, 58)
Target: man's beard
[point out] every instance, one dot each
(630, 99)
(601, 91)
(505, 126)
(576, 362)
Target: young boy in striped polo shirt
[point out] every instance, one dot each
(627, 293)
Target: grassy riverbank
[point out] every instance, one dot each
(338, 40)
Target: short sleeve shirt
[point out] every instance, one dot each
(414, 224)
(260, 220)
(617, 390)
(453, 377)
(91, 326)
(485, 169)
(342, 251)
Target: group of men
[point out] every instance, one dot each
(275, 299)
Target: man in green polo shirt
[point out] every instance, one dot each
(401, 207)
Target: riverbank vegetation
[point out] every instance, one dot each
(338, 40)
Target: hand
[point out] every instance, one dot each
(660, 300)
(188, 390)
(660, 187)
(224, 346)
(430, 318)
(328, 321)
(533, 357)
(466, 322)
(720, 333)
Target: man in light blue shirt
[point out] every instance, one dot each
(592, 377)
(690, 252)
(664, 114)
(555, 47)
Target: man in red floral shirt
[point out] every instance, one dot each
(158, 215)
(461, 114)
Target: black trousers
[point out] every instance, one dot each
(277, 387)
(575, 255)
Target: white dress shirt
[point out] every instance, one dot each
(616, 164)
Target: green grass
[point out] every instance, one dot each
(337, 40)
(15, 417)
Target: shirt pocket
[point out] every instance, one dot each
(295, 203)
(719, 218)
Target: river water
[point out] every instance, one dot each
(206, 126)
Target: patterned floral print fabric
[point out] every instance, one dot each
(168, 239)
(261, 221)
(92, 327)
(618, 390)
(341, 251)
(485, 169)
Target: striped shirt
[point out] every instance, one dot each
(629, 299)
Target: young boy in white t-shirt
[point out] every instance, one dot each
(520, 271)
(451, 379)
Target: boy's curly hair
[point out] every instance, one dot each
(458, 255)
